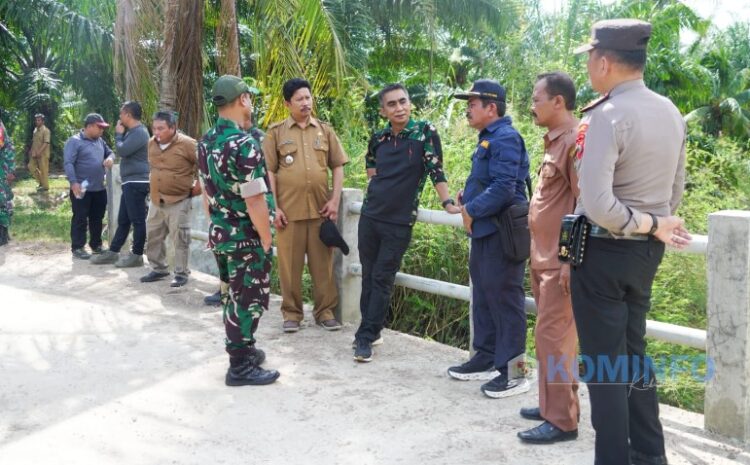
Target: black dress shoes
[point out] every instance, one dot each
(153, 276)
(547, 433)
(531, 413)
(638, 458)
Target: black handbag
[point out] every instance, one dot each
(513, 225)
(574, 231)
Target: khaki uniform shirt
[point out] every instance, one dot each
(40, 140)
(300, 160)
(555, 195)
(631, 158)
(173, 169)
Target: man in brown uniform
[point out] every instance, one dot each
(39, 154)
(173, 180)
(553, 102)
(299, 153)
(631, 171)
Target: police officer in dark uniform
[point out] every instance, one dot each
(499, 169)
(631, 165)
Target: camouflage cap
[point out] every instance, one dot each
(618, 34)
(228, 88)
(39, 115)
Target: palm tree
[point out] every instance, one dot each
(52, 45)
(227, 40)
(160, 41)
(727, 110)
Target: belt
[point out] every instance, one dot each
(597, 231)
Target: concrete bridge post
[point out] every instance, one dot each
(727, 401)
(349, 285)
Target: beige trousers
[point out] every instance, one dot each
(297, 239)
(171, 220)
(39, 168)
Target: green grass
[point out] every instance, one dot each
(41, 216)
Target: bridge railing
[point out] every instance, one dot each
(726, 340)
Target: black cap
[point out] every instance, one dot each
(330, 236)
(484, 89)
(95, 118)
(618, 34)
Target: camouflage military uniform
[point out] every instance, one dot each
(7, 166)
(227, 158)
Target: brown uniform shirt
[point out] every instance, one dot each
(631, 158)
(555, 195)
(40, 140)
(173, 169)
(300, 160)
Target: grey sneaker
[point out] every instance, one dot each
(130, 261)
(106, 257)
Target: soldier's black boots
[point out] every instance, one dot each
(4, 236)
(246, 371)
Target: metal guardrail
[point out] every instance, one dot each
(665, 332)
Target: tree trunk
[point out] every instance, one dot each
(227, 40)
(182, 64)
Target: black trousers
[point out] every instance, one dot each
(88, 214)
(132, 212)
(497, 303)
(381, 248)
(611, 294)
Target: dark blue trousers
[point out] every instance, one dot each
(132, 212)
(497, 303)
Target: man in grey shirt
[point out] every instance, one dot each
(86, 157)
(630, 153)
(131, 141)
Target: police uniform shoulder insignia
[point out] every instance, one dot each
(485, 144)
(580, 140)
(593, 104)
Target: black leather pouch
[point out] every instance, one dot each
(574, 232)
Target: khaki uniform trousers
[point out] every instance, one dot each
(293, 242)
(171, 220)
(556, 347)
(39, 168)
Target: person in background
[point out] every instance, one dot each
(39, 153)
(85, 158)
(174, 167)
(131, 142)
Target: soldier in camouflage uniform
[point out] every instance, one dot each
(214, 299)
(233, 173)
(7, 175)
(402, 155)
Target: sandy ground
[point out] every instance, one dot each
(97, 368)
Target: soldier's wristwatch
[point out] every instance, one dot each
(654, 224)
(447, 202)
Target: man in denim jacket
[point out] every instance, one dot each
(500, 166)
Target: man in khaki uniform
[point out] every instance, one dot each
(39, 159)
(174, 168)
(553, 102)
(631, 169)
(300, 151)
